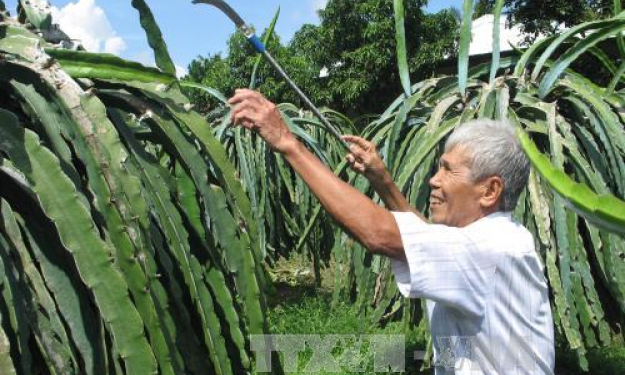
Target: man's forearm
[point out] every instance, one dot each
(368, 222)
(393, 199)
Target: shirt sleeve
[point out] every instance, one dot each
(443, 265)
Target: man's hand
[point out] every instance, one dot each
(364, 159)
(254, 112)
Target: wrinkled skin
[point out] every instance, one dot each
(254, 112)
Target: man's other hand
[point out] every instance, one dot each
(254, 112)
(364, 159)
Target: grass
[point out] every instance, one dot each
(309, 313)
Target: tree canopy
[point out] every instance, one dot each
(353, 42)
(546, 16)
(358, 49)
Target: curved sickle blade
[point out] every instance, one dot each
(227, 9)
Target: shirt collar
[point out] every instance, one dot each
(505, 215)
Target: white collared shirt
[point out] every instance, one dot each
(487, 297)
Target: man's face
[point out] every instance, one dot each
(455, 199)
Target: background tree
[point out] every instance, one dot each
(546, 16)
(352, 42)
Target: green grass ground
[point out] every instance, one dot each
(298, 307)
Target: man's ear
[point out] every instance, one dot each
(492, 190)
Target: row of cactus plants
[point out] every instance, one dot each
(127, 243)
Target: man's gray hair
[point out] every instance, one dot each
(494, 150)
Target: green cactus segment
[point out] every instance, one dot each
(465, 42)
(72, 299)
(36, 12)
(16, 41)
(113, 188)
(400, 38)
(398, 126)
(209, 90)
(177, 236)
(13, 347)
(50, 119)
(615, 267)
(496, 41)
(215, 154)
(187, 196)
(6, 362)
(79, 236)
(15, 321)
(217, 284)
(615, 28)
(155, 37)
(552, 45)
(224, 172)
(80, 64)
(189, 339)
(212, 326)
(124, 223)
(126, 231)
(251, 277)
(266, 41)
(240, 262)
(605, 211)
(159, 293)
(543, 222)
(42, 312)
(564, 242)
(606, 123)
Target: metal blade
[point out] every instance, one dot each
(227, 9)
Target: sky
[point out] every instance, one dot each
(189, 30)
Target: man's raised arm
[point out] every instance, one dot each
(370, 224)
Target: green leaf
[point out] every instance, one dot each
(155, 37)
(605, 211)
(106, 66)
(400, 40)
(465, 42)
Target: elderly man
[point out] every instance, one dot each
(487, 299)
